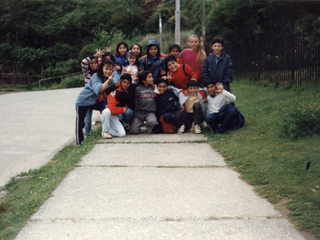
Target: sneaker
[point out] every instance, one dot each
(191, 130)
(106, 135)
(149, 129)
(197, 128)
(143, 128)
(204, 124)
(181, 129)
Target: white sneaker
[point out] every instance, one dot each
(204, 124)
(106, 135)
(181, 129)
(191, 130)
(197, 128)
(143, 129)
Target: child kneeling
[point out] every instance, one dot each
(146, 104)
(166, 108)
(194, 103)
(220, 111)
(111, 125)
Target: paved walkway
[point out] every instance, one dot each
(156, 187)
(34, 126)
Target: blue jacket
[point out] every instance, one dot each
(120, 60)
(166, 102)
(222, 71)
(146, 64)
(238, 120)
(90, 95)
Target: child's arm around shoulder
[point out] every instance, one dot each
(175, 90)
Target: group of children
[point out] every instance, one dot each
(158, 93)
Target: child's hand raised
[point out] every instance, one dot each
(108, 49)
(141, 69)
(123, 71)
(117, 68)
(219, 87)
(110, 78)
(162, 72)
(193, 79)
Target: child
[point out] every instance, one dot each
(146, 104)
(132, 66)
(195, 56)
(90, 66)
(166, 106)
(120, 55)
(179, 74)
(153, 62)
(220, 111)
(174, 50)
(125, 84)
(136, 48)
(218, 65)
(111, 124)
(194, 103)
(92, 96)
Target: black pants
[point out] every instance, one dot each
(187, 118)
(81, 114)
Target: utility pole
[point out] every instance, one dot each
(204, 25)
(177, 33)
(160, 30)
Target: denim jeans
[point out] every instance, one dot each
(225, 118)
(111, 124)
(126, 117)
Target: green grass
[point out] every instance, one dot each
(270, 160)
(27, 195)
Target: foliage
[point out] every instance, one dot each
(304, 121)
(276, 166)
(247, 21)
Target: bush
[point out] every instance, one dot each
(301, 123)
(72, 82)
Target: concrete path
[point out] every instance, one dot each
(34, 126)
(156, 187)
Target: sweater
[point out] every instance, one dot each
(90, 95)
(85, 63)
(180, 78)
(145, 100)
(221, 99)
(190, 57)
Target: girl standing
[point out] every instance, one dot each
(153, 62)
(93, 95)
(195, 55)
(132, 65)
(136, 48)
(120, 55)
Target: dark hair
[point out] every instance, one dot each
(116, 52)
(132, 53)
(126, 76)
(177, 46)
(168, 59)
(217, 40)
(122, 96)
(161, 80)
(193, 83)
(100, 70)
(143, 76)
(109, 54)
(93, 71)
(211, 81)
(139, 47)
(148, 48)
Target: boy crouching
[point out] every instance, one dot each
(220, 111)
(194, 103)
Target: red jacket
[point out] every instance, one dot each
(113, 104)
(180, 79)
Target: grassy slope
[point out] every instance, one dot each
(275, 164)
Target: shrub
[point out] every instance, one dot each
(301, 123)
